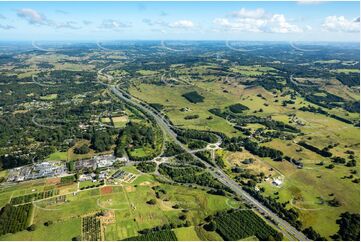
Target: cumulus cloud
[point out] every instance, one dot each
(341, 24)
(33, 17)
(6, 27)
(247, 25)
(257, 20)
(182, 24)
(113, 25)
(2, 16)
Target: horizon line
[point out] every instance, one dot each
(185, 40)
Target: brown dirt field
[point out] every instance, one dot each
(129, 189)
(108, 218)
(68, 188)
(105, 190)
(54, 180)
(147, 183)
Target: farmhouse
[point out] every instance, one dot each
(278, 182)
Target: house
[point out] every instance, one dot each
(278, 182)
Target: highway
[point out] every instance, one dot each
(289, 231)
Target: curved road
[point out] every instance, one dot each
(289, 231)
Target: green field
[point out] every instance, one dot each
(58, 156)
(173, 101)
(284, 124)
(64, 230)
(49, 97)
(128, 204)
(186, 234)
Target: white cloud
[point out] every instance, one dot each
(279, 24)
(114, 24)
(257, 20)
(33, 16)
(2, 16)
(341, 24)
(182, 24)
(6, 27)
(244, 24)
(246, 13)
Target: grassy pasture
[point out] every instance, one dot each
(346, 71)
(58, 155)
(171, 98)
(252, 70)
(309, 184)
(186, 234)
(60, 231)
(49, 97)
(147, 72)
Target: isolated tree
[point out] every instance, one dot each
(152, 202)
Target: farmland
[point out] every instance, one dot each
(128, 203)
(233, 226)
(124, 145)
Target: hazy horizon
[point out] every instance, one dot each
(241, 21)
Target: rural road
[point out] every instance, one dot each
(289, 231)
(300, 84)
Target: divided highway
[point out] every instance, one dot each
(289, 231)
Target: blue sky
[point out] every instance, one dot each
(278, 21)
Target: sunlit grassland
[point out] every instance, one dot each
(141, 215)
(59, 231)
(343, 91)
(171, 98)
(186, 234)
(258, 165)
(313, 182)
(49, 97)
(251, 70)
(129, 204)
(147, 72)
(58, 155)
(346, 71)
